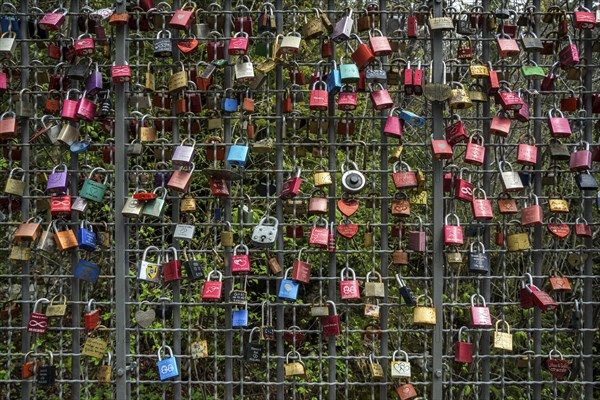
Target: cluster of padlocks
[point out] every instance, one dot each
(241, 144)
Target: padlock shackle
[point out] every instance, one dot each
(243, 246)
(151, 248)
(476, 297)
(503, 323)
(425, 297)
(460, 333)
(455, 217)
(351, 271)
(217, 272)
(88, 307)
(332, 304)
(42, 300)
(480, 245)
(373, 272)
(164, 347)
(256, 328)
(296, 356)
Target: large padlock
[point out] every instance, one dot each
(178, 81)
(288, 288)
(149, 271)
(403, 180)
(349, 287)
(183, 18)
(240, 263)
(212, 290)
(86, 109)
(363, 55)
(331, 324)
(120, 73)
(400, 369)
(301, 269)
(167, 368)
(393, 125)
(318, 203)
(93, 190)
(463, 351)
(380, 45)
(265, 233)
(480, 315)
(68, 134)
(453, 234)
(381, 98)
(527, 152)
(558, 282)
(54, 20)
(507, 46)
(424, 314)
(442, 23)
(581, 160)
(374, 289)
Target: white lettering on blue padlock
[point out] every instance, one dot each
(411, 118)
(167, 368)
(87, 271)
(239, 318)
(86, 237)
(93, 190)
(238, 153)
(288, 290)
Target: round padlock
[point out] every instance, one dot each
(353, 181)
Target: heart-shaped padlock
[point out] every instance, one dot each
(559, 230)
(347, 229)
(348, 206)
(144, 318)
(558, 367)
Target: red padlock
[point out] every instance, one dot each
(507, 46)
(326, 48)
(493, 80)
(441, 149)
(213, 290)
(347, 99)
(240, 263)
(527, 152)
(500, 125)
(238, 45)
(559, 126)
(291, 187)
(570, 103)
(417, 240)
(363, 55)
(301, 269)
(453, 234)
(584, 18)
(84, 45)
(463, 189)
(60, 204)
(319, 98)
(38, 322)
(69, 108)
(582, 229)
(418, 80)
(569, 55)
(533, 214)
(120, 73)
(54, 20)
(543, 301)
(380, 45)
(331, 324)
(463, 351)
(411, 27)
(581, 160)
(381, 98)
(509, 100)
(218, 187)
(183, 18)
(349, 287)
(407, 80)
(319, 236)
(172, 268)
(86, 109)
(393, 125)
(456, 132)
(406, 391)
(91, 317)
(294, 231)
(403, 180)
(547, 84)
(475, 152)
(482, 207)
(480, 315)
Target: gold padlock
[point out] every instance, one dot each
(503, 340)
(559, 205)
(459, 99)
(150, 81)
(20, 252)
(187, 204)
(517, 241)
(13, 185)
(57, 309)
(179, 80)
(313, 28)
(423, 314)
(478, 70)
(525, 360)
(95, 346)
(454, 257)
(227, 236)
(368, 236)
(375, 368)
(477, 94)
(322, 178)
(66, 239)
(374, 289)
(295, 368)
(395, 155)
(147, 133)
(104, 374)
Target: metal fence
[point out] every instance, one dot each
(390, 231)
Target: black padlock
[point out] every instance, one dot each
(193, 268)
(479, 262)
(77, 71)
(586, 181)
(253, 351)
(406, 292)
(263, 187)
(164, 310)
(46, 374)
(163, 46)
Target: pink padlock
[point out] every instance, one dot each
(347, 99)
(532, 214)
(393, 125)
(559, 126)
(213, 290)
(291, 187)
(349, 287)
(463, 351)
(482, 207)
(527, 152)
(480, 315)
(69, 108)
(475, 152)
(319, 237)
(381, 98)
(509, 100)
(453, 234)
(581, 160)
(120, 73)
(240, 263)
(86, 109)
(380, 45)
(54, 20)
(84, 45)
(238, 45)
(569, 55)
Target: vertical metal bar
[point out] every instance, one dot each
(25, 153)
(121, 230)
(437, 109)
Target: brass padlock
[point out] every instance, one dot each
(57, 309)
(295, 368)
(454, 257)
(368, 236)
(518, 241)
(147, 133)
(187, 204)
(322, 178)
(423, 314)
(503, 340)
(375, 368)
(558, 205)
(179, 80)
(227, 236)
(459, 98)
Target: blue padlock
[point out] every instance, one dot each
(288, 290)
(411, 118)
(239, 318)
(10, 23)
(86, 236)
(334, 80)
(238, 153)
(349, 72)
(230, 104)
(87, 271)
(167, 368)
(526, 176)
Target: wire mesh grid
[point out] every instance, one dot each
(211, 341)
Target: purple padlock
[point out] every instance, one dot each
(69, 109)
(94, 83)
(86, 109)
(57, 181)
(162, 177)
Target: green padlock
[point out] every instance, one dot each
(93, 190)
(156, 208)
(349, 72)
(531, 70)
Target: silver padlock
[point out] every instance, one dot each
(68, 134)
(353, 181)
(52, 131)
(290, 44)
(150, 271)
(200, 29)
(132, 208)
(24, 107)
(79, 205)
(135, 148)
(184, 155)
(265, 233)
(8, 44)
(244, 69)
(184, 231)
(510, 179)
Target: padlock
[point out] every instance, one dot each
(171, 268)
(502, 340)
(363, 55)
(353, 181)
(424, 314)
(218, 187)
(456, 132)
(459, 98)
(463, 351)
(94, 83)
(184, 155)
(405, 292)
(532, 71)
(442, 23)
(510, 179)
(509, 100)
(417, 240)
(167, 368)
(453, 234)
(53, 21)
(85, 109)
(84, 45)
(46, 374)
(441, 149)
(319, 236)
(539, 298)
(584, 19)
(343, 27)
(349, 287)
(475, 153)
(92, 190)
(406, 391)
(531, 42)
(400, 369)
(480, 314)
(330, 323)
(393, 125)
(178, 81)
(147, 270)
(65, 239)
(507, 46)
(581, 160)
(313, 27)
(91, 316)
(265, 232)
(532, 214)
(291, 187)
(558, 282)
(28, 231)
(347, 99)
(253, 351)
(403, 180)
(318, 203)
(181, 179)
(374, 289)
(582, 229)
(57, 309)
(465, 49)
(240, 263)
(586, 181)
(238, 154)
(482, 207)
(87, 270)
(86, 237)
(380, 45)
(212, 290)
(321, 178)
(558, 367)
(120, 73)
(238, 44)
(517, 241)
(29, 368)
(463, 188)
(295, 368)
(318, 97)
(477, 94)
(38, 321)
(400, 205)
(301, 269)
(288, 289)
(527, 152)
(569, 55)
(187, 204)
(104, 374)
(380, 98)
(193, 268)
(24, 107)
